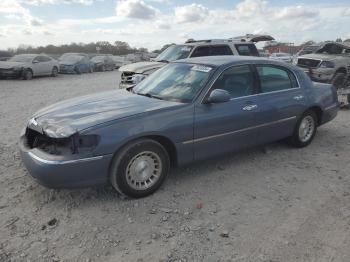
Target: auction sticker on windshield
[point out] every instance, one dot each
(204, 69)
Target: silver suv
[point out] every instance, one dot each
(132, 74)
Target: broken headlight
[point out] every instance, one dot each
(327, 64)
(137, 78)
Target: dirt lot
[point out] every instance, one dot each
(277, 204)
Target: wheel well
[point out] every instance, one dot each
(168, 145)
(318, 112)
(341, 70)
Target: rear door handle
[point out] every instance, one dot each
(249, 107)
(299, 97)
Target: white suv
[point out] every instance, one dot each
(134, 73)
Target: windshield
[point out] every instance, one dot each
(331, 49)
(72, 58)
(21, 58)
(174, 52)
(98, 59)
(176, 82)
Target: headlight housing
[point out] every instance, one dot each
(137, 78)
(327, 64)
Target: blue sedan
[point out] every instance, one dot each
(187, 111)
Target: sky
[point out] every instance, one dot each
(153, 23)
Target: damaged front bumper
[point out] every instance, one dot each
(319, 75)
(66, 170)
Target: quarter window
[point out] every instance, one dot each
(247, 50)
(275, 79)
(238, 81)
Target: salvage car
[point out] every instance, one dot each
(330, 64)
(241, 45)
(26, 66)
(103, 63)
(187, 111)
(75, 63)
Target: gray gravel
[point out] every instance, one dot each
(280, 204)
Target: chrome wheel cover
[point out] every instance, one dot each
(306, 128)
(143, 170)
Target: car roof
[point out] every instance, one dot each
(216, 42)
(228, 60)
(29, 55)
(221, 60)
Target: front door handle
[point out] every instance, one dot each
(249, 107)
(299, 97)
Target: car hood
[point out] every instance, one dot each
(319, 56)
(68, 117)
(141, 67)
(8, 65)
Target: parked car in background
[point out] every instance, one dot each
(26, 66)
(284, 57)
(75, 63)
(103, 63)
(330, 64)
(242, 45)
(189, 110)
(120, 61)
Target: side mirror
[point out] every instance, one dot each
(35, 61)
(219, 96)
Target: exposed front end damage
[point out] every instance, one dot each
(63, 162)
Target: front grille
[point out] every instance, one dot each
(126, 78)
(306, 62)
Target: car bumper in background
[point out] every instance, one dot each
(6, 73)
(324, 76)
(55, 173)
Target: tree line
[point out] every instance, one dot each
(103, 47)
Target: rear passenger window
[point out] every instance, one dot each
(221, 50)
(247, 50)
(201, 51)
(275, 79)
(238, 81)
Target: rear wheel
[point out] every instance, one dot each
(140, 168)
(305, 130)
(27, 74)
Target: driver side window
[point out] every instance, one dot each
(237, 80)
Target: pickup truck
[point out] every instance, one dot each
(330, 64)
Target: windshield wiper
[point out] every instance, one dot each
(150, 95)
(162, 61)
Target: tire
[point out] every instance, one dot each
(302, 138)
(27, 74)
(54, 71)
(77, 70)
(138, 163)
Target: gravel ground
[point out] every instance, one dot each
(272, 204)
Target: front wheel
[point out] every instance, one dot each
(54, 71)
(27, 74)
(305, 130)
(140, 168)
